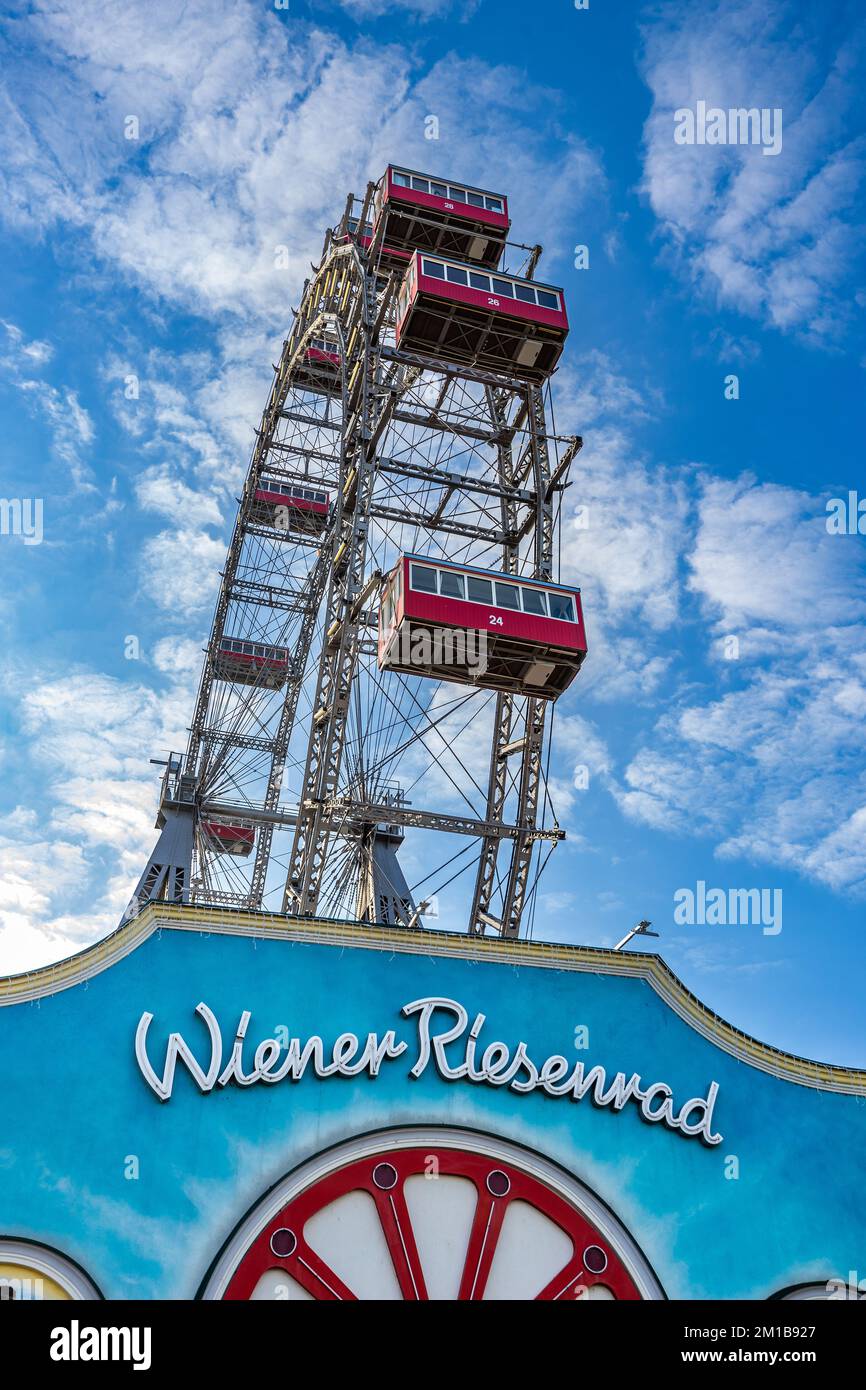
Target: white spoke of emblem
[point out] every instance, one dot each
(347, 1234)
(441, 1210)
(530, 1251)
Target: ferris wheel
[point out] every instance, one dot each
(372, 727)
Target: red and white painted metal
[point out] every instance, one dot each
(593, 1264)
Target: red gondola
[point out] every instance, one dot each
(454, 219)
(478, 627)
(463, 314)
(318, 368)
(251, 663)
(230, 837)
(289, 507)
(324, 351)
(389, 257)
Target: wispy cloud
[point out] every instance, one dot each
(180, 570)
(239, 157)
(772, 764)
(158, 490)
(71, 427)
(681, 570)
(88, 737)
(622, 527)
(420, 9)
(771, 237)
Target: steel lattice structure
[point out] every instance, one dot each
(331, 769)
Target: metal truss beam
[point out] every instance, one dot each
(213, 734)
(459, 482)
(269, 595)
(429, 522)
(500, 381)
(352, 818)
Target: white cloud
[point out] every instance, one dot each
(622, 546)
(765, 759)
(194, 414)
(763, 555)
(179, 570)
(25, 890)
(620, 667)
(66, 878)
(239, 151)
(558, 902)
(661, 789)
(577, 736)
(769, 236)
(27, 941)
(839, 859)
(158, 491)
(177, 656)
(71, 426)
(624, 517)
(423, 9)
(762, 754)
(87, 720)
(733, 351)
(772, 766)
(36, 352)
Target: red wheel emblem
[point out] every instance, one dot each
(430, 1223)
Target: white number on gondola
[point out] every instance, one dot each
(494, 302)
(495, 620)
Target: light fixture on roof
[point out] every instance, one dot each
(642, 929)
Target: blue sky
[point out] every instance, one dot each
(154, 258)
